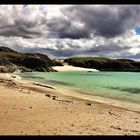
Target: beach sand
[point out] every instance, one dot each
(28, 108)
(72, 68)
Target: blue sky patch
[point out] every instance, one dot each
(137, 30)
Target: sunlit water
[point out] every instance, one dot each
(116, 85)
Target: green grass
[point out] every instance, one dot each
(125, 60)
(10, 55)
(98, 59)
(15, 55)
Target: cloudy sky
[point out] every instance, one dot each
(63, 31)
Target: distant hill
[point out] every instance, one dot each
(104, 64)
(5, 49)
(11, 61)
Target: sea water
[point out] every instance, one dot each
(117, 85)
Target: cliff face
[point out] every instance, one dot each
(104, 64)
(11, 61)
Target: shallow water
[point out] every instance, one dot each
(116, 85)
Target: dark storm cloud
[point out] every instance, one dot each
(21, 23)
(64, 28)
(106, 21)
(131, 56)
(19, 31)
(108, 48)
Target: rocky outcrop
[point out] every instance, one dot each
(104, 64)
(11, 61)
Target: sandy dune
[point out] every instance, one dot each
(72, 68)
(31, 109)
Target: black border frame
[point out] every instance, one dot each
(70, 2)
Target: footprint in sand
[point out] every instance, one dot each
(116, 127)
(77, 113)
(5, 113)
(72, 124)
(65, 108)
(134, 131)
(22, 109)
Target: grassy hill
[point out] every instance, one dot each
(11, 61)
(104, 64)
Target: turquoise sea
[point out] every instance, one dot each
(117, 85)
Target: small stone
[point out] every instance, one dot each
(47, 95)
(88, 104)
(54, 96)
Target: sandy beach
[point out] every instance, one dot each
(29, 108)
(72, 68)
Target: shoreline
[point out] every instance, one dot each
(83, 96)
(104, 100)
(62, 106)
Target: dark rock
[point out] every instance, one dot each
(88, 104)
(13, 76)
(48, 95)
